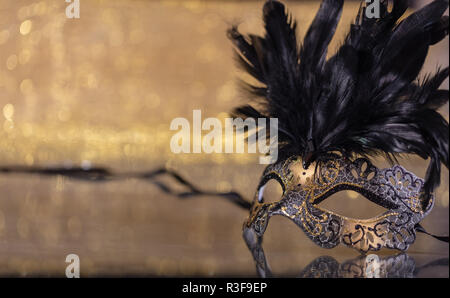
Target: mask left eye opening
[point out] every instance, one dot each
(270, 190)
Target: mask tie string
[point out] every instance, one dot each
(421, 229)
(99, 174)
(232, 196)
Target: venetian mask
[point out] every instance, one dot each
(394, 188)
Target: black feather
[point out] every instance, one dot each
(363, 101)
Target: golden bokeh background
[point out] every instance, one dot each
(102, 90)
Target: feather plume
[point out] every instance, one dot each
(366, 99)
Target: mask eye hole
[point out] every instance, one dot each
(270, 192)
(351, 204)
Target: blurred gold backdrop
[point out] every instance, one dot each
(102, 90)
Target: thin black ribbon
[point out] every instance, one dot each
(421, 229)
(103, 175)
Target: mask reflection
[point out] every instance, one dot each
(365, 266)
